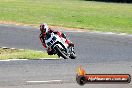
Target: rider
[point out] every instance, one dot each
(45, 29)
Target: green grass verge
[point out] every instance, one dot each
(97, 16)
(23, 54)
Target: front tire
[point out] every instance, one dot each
(60, 53)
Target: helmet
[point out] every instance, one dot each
(44, 28)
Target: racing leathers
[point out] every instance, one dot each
(60, 34)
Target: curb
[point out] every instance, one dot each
(15, 49)
(28, 59)
(110, 33)
(11, 48)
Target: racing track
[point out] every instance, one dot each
(97, 53)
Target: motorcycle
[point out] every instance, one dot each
(59, 46)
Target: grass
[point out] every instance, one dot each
(97, 16)
(22, 54)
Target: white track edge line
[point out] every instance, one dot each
(48, 81)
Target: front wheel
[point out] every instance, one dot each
(60, 53)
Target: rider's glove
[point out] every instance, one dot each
(64, 35)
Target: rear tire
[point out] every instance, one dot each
(60, 53)
(73, 56)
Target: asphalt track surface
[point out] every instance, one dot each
(97, 53)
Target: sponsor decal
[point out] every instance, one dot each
(82, 78)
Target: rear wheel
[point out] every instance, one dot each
(60, 53)
(73, 56)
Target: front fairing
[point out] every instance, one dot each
(52, 38)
